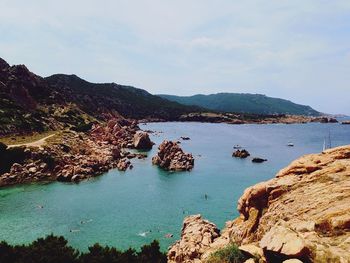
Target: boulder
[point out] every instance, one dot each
(282, 240)
(142, 141)
(171, 157)
(241, 154)
(123, 164)
(197, 236)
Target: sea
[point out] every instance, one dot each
(132, 208)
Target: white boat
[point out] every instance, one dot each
(290, 144)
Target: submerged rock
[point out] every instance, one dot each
(241, 154)
(258, 160)
(171, 157)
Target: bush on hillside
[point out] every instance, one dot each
(228, 254)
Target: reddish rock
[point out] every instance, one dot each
(142, 141)
(171, 157)
(241, 154)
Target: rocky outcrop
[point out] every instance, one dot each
(142, 141)
(171, 157)
(71, 156)
(241, 154)
(196, 236)
(324, 120)
(302, 214)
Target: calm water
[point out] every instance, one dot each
(132, 208)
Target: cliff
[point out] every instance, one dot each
(301, 214)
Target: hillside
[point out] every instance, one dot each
(29, 102)
(244, 103)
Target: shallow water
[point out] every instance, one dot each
(132, 208)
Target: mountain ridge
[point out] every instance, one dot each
(244, 103)
(29, 102)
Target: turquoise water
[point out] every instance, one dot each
(132, 208)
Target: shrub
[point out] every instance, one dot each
(52, 249)
(228, 254)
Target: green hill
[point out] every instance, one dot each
(31, 103)
(244, 103)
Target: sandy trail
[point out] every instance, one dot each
(38, 143)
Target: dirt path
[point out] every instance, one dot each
(38, 143)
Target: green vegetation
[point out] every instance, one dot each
(228, 254)
(111, 98)
(54, 249)
(30, 103)
(244, 103)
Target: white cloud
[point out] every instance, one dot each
(290, 48)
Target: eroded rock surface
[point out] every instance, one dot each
(72, 156)
(301, 214)
(196, 236)
(171, 157)
(142, 141)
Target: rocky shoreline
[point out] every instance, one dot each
(301, 215)
(240, 118)
(74, 156)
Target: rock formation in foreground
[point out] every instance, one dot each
(171, 157)
(303, 213)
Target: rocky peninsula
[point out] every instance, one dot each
(301, 215)
(75, 156)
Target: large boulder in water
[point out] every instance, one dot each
(142, 141)
(171, 157)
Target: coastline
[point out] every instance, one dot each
(106, 146)
(71, 156)
(301, 214)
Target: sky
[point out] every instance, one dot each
(292, 49)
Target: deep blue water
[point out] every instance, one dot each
(132, 208)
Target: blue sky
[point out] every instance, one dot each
(297, 49)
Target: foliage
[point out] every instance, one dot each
(228, 254)
(54, 249)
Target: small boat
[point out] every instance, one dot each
(237, 147)
(290, 144)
